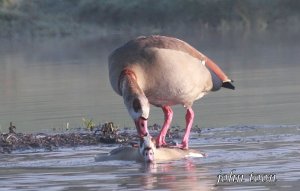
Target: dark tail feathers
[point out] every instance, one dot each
(228, 85)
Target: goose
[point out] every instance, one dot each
(148, 153)
(162, 71)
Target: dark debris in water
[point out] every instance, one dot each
(107, 133)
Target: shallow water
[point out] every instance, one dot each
(238, 149)
(47, 83)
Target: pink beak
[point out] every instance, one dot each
(141, 126)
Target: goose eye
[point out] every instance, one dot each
(136, 105)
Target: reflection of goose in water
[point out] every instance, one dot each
(174, 175)
(148, 152)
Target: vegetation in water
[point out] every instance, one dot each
(107, 133)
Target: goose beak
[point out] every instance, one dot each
(141, 126)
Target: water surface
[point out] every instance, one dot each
(47, 83)
(272, 150)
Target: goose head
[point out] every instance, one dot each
(147, 148)
(138, 108)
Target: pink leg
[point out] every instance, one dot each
(189, 118)
(160, 140)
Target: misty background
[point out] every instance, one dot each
(33, 18)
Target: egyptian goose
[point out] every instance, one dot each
(147, 152)
(162, 71)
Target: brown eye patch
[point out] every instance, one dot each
(146, 150)
(136, 105)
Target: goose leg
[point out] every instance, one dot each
(189, 118)
(160, 140)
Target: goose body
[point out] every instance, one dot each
(162, 154)
(162, 71)
(121, 153)
(147, 152)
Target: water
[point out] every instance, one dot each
(272, 150)
(47, 83)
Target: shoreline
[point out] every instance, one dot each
(107, 133)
